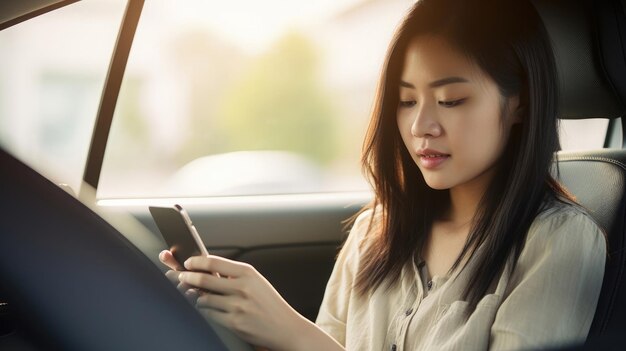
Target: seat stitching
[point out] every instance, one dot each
(592, 158)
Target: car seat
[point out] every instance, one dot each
(73, 282)
(589, 39)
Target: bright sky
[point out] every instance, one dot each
(253, 24)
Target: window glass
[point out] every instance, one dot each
(247, 97)
(583, 134)
(52, 71)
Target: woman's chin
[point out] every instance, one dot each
(437, 184)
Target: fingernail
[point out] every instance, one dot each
(186, 264)
(181, 276)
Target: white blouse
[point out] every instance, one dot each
(548, 300)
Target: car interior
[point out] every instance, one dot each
(84, 275)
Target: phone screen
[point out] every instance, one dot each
(178, 231)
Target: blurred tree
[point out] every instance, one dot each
(280, 105)
(209, 65)
(129, 133)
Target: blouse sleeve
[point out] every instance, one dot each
(333, 312)
(553, 292)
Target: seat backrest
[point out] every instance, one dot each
(589, 39)
(598, 180)
(76, 283)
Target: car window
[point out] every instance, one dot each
(250, 98)
(583, 134)
(244, 97)
(52, 72)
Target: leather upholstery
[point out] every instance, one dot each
(82, 284)
(598, 180)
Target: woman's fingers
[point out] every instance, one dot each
(192, 295)
(209, 282)
(173, 276)
(223, 266)
(168, 259)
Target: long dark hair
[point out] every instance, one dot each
(509, 42)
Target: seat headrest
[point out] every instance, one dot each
(589, 40)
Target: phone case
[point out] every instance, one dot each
(178, 231)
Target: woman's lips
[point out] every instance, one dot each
(432, 161)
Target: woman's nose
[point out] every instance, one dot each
(425, 124)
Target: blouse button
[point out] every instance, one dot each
(408, 312)
(430, 284)
(393, 347)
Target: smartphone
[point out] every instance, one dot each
(179, 232)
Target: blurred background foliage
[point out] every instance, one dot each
(275, 103)
(280, 105)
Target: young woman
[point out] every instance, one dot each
(469, 244)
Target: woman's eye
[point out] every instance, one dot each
(451, 103)
(407, 103)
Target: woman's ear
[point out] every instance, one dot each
(516, 111)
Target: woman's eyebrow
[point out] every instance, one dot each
(448, 80)
(437, 83)
(406, 84)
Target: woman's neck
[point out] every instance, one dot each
(465, 198)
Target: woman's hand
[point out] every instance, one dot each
(175, 269)
(243, 301)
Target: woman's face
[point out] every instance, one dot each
(449, 114)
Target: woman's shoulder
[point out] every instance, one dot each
(367, 219)
(364, 217)
(563, 219)
(561, 211)
(364, 225)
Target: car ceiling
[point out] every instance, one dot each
(14, 12)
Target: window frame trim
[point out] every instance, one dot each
(108, 100)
